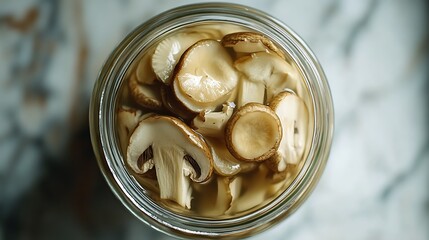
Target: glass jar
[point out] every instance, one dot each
(105, 142)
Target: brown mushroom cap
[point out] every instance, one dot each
(148, 96)
(253, 133)
(173, 105)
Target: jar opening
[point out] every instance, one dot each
(140, 194)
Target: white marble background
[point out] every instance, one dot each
(375, 55)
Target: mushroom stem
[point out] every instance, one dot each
(250, 91)
(213, 123)
(172, 173)
(270, 69)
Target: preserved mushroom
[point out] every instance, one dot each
(176, 152)
(293, 115)
(253, 132)
(224, 114)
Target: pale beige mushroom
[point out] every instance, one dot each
(277, 181)
(223, 197)
(235, 185)
(127, 120)
(224, 163)
(173, 105)
(144, 71)
(213, 123)
(216, 202)
(148, 96)
(205, 77)
(264, 76)
(228, 190)
(250, 91)
(250, 42)
(257, 189)
(169, 51)
(252, 191)
(293, 115)
(253, 133)
(178, 154)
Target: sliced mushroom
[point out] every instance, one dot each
(177, 153)
(216, 201)
(277, 182)
(293, 115)
(128, 119)
(213, 123)
(223, 197)
(253, 133)
(205, 77)
(251, 190)
(144, 71)
(250, 42)
(235, 188)
(250, 91)
(148, 96)
(169, 51)
(173, 105)
(229, 190)
(257, 188)
(224, 163)
(273, 71)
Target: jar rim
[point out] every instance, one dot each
(102, 120)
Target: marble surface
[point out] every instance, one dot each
(374, 53)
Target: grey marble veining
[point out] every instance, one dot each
(374, 53)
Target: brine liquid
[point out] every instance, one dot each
(250, 189)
